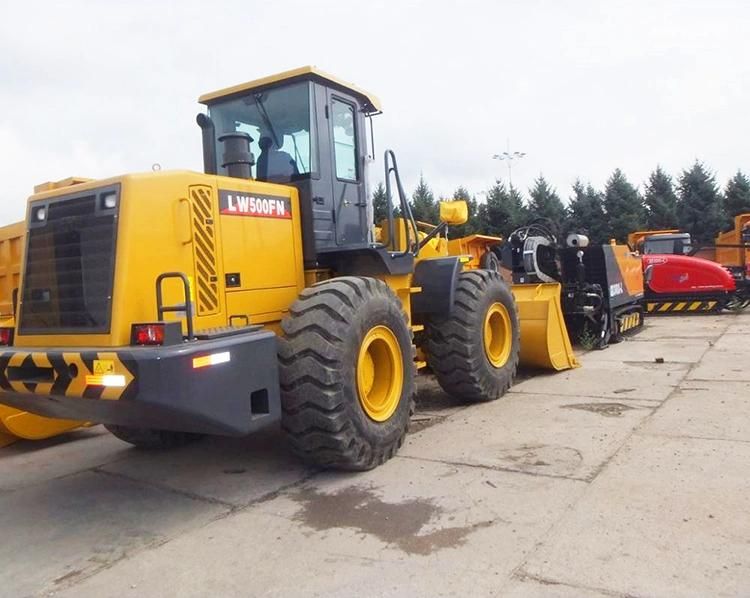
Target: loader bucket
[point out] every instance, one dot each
(544, 337)
(15, 424)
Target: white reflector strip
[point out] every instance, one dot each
(105, 380)
(213, 359)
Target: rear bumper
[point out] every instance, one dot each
(233, 390)
(696, 303)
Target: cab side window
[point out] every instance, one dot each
(344, 140)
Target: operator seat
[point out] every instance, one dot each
(274, 165)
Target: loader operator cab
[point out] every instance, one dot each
(303, 128)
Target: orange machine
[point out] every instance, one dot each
(733, 247)
(11, 252)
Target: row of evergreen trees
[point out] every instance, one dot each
(694, 203)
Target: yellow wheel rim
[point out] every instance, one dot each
(380, 373)
(498, 336)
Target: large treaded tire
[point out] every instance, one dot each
(322, 415)
(454, 344)
(152, 439)
(489, 261)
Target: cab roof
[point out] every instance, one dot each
(370, 102)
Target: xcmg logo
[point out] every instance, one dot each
(236, 203)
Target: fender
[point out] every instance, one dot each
(438, 278)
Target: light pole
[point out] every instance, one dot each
(509, 157)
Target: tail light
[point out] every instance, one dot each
(154, 334)
(147, 334)
(6, 337)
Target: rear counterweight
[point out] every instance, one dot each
(226, 386)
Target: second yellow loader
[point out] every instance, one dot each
(545, 340)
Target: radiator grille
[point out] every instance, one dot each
(204, 250)
(68, 279)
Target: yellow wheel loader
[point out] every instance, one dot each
(169, 305)
(545, 339)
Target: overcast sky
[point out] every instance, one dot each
(101, 88)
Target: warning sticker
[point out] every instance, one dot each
(104, 366)
(236, 203)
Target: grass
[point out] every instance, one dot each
(588, 339)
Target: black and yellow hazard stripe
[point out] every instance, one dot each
(68, 374)
(669, 307)
(629, 321)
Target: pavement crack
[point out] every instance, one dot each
(522, 575)
(619, 397)
(165, 488)
(691, 437)
(495, 468)
(715, 380)
(279, 491)
(77, 577)
(63, 476)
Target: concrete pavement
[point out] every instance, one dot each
(626, 477)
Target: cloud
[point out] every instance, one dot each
(95, 89)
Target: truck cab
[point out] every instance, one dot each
(667, 243)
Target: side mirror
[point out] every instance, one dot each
(454, 212)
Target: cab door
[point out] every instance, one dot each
(350, 205)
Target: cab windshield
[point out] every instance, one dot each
(668, 245)
(279, 124)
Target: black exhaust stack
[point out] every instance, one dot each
(209, 148)
(238, 158)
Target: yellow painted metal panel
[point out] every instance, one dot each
(261, 250)
(261, 305)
